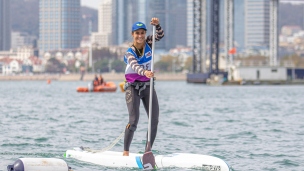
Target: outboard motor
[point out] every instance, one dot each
(38, 164)
(90, 86)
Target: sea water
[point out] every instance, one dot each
(252, 128)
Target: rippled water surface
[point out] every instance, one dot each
(252, 128)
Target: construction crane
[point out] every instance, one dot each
(200, 74)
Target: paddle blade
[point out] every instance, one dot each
(148, 159)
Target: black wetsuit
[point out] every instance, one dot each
(133, 102)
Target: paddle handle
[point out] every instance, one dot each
(151, 85)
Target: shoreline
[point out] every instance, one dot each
(88, 77)
(121, 77)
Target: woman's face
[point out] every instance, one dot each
(139, 36)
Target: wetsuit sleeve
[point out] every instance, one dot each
(158, 35)
(134, 64)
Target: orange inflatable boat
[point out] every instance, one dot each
(106, 87)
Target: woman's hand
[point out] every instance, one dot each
(149, 74)
(154, 21)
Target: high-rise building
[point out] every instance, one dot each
(158, 9)
(122, 22)
(190, 23)
(59, 24)
(105, 24)
(5, 25)
(176, 24)
(257, 20)
(239, 19)
(105, 18)
(113, 19)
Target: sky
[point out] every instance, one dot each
(90, 3)
(95, 3)
(292, 1)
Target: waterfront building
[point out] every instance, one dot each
(10, 66)
(20, 53)
(10, 54)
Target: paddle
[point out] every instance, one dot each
(148, 157)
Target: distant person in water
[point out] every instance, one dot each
(82, 70)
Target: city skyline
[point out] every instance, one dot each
(59, 23)
(162, 9)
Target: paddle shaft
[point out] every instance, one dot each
(151, 85)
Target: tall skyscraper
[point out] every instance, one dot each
(257, 23)
(59, 24)
(176, 32)
(113, 22)
(105, 18)
(5, 25)
(239, 19)
(190, 23)
(105, 24)
(158, 9)
(121, 23)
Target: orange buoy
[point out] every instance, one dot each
(121, 85)
(49, 81)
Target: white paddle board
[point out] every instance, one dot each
(177, 160)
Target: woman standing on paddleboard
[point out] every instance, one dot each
(138, 74)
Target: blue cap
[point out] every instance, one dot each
(138, 25)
